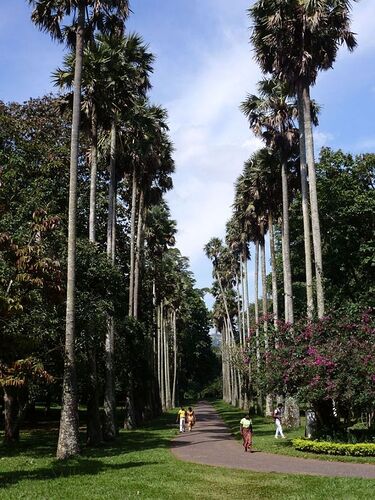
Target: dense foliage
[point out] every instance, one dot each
(347, 205)
(34, 155)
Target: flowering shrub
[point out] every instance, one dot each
(320, 361)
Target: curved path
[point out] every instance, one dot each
(211, 443)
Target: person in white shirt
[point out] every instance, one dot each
(277, 415)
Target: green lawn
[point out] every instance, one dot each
(140, 465)
(264, 431)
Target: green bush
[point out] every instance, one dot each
(327, 448)
(213, 390)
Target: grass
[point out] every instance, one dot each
(141, 465)
(264, 431)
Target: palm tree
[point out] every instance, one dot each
(223, 273)
(95, 102)
(95, 105)
(123, 67)
(257, 202)
(243, 212)
(151, 163)
(87, 16)
(213, 251)
(294, 40)
(160, 233)
(271, 116)
(115, 73)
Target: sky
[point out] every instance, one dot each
(204, 69)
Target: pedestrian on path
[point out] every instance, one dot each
(190, 418)
(181, 418)
(277, 415)
(246, 430)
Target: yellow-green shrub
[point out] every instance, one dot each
(328, 448)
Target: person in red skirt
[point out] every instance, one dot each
(246, 429)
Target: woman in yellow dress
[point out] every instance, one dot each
(190, 418)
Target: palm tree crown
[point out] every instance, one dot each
(295, 39)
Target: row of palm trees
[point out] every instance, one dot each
(106, 77)
(293, 41)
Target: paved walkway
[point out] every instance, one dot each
(211, 443)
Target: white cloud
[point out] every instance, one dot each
(363, 24)
(366, 145)
(322, 139)
(212, 141)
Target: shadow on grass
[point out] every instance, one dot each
(73, 467)
(41, 443)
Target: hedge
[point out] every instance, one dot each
(328, 448)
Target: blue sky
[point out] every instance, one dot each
(204, 68)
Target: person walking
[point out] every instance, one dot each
(246, 430)
(181, 418)
(277, 415)
(190, 418)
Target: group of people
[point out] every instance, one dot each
(246, 427)
(186, 418)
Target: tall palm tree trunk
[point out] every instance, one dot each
(246, 293)
(234, 378)
(158, 337)
(154, 328)
(162, 378)
(94, 430)
(315, 224)
(256, 317)
(68, 442)
(285, 240)
(224, 353)
(241, 340)
(265, 308)
(239, 319)
(229, 362)
(174, 323)
(256, 301)
(275, 308)
(224, 301)
(93, 174)
(166, 366)
(138, 252)
(305, 206)
(109, 392)
(132, 242)
(242, 278)
(264, 288)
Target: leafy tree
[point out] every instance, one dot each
(345, 186)
(30, 281)
(328, 363)
(17, 380)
